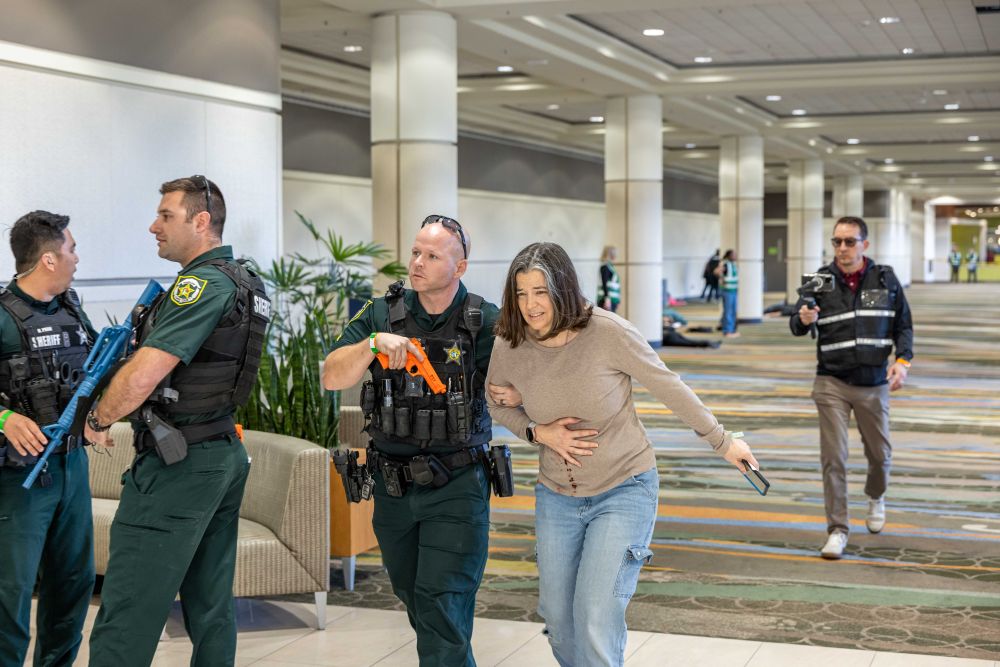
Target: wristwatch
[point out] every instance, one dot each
(530, 431)
(94, 424)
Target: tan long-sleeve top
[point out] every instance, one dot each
(590, 378)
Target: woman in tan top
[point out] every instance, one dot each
(561, 377)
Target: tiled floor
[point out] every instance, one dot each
(276, 634)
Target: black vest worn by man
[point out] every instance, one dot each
(856, 328)
(401, 409)
(39, 381)
(224, 370)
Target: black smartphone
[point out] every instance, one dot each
(757, 480)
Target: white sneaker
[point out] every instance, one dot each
(876, 514)
(834, 547)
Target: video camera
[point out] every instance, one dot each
(813, 284)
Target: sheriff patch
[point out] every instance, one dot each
(187, 290)
(454, 354)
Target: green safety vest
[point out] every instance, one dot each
(614, 291)
(955, 259)
(730, 276)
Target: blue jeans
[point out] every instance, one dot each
(728, 311)
(590, 551)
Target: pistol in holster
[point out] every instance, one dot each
(501, 471)
(358, 482)
(168, 440)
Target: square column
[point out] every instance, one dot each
(633, 187)
(805, 222)
(741, 214)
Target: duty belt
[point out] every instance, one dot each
(11, 459)
(423, 469)
(193, 433)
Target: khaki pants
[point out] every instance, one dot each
(835, 400)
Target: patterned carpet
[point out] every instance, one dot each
(729, 563)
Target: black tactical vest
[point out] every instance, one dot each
(402, 409)
(39, 381)
(855, 328)
(223, 371)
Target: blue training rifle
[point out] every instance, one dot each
(111, 346)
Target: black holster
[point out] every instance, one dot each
(501, 471)
(167, 439)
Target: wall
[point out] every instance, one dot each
(94, 140)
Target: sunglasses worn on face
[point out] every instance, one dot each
(850, 243)
(449, 224)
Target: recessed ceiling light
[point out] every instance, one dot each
(940, 91)
(974, 138)
(653, 32)
(690, 145)
(552, 107)
(597, 119)
(951, 107)
(886, 20)
(703, 59)
(353, 48)
(812, 142)
(829, 149)
(889, 160)
(908, 51)
(798, 112)
(773, 98)
(988, 158)
(853, 141)
(505, 68)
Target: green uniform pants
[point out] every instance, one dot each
(175, 530)
(45, 533)
(434, 546)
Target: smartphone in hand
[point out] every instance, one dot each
(757, 480)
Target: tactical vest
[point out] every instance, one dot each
(855, 328)
(402, 409)
(39, 381)
(223, 371)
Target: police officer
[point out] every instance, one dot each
(176, 526)
(46, 532)
(431, 494)
(859, 323)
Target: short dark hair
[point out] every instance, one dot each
(570, 308)
(195, 200)
(853, 220)
(35, 234)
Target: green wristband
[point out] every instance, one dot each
(371, 343)
(3, 418)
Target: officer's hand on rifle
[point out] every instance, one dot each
(808, 315)
(566, 442)
(25, 435)
(505, 395)
(396, 348)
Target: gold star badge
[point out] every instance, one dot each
(454, 354)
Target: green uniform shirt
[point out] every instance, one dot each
(198, 299)
(10, 335)
(374, 317)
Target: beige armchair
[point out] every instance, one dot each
(284, 531)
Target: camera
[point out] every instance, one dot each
(813, 284)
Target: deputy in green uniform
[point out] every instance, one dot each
(46, 532)
(431, 515)
(176, 525)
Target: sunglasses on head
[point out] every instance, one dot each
(449, 224)
(208, 192)
(850, 243)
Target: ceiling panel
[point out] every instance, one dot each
(880, 102)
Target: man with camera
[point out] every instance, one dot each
(429, 452)
(860, 317)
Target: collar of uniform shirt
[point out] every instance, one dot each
(854, 279)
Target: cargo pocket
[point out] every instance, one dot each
(628, 574)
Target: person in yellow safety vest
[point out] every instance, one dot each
(972, 266)
(955, 261)
(609, 292)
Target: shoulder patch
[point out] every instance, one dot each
(187, 290)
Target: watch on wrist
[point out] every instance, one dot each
(530, 432)
(94, 424)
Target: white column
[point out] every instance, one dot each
(942, 247)
(633, 187)
(741, 214)
(899, 212)
(848, 199)
(414, 124)
(881, 233)
(923, 247)
(805, 222)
